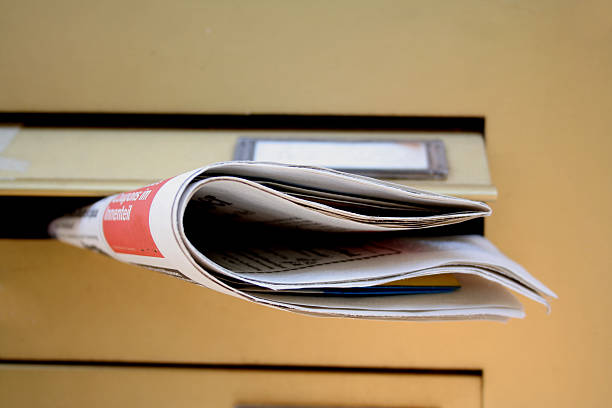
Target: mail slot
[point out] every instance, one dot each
(97, 161)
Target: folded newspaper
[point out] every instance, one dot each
(309, 240)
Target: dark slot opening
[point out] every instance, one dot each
(255, 122)
(30, 216)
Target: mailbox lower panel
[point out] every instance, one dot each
(90, 386)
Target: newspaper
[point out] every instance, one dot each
(300, 238)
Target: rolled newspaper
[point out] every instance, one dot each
(308, 240)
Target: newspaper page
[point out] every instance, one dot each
(283, 236)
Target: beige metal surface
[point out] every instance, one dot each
(539, 72)
(85, 386)
(106, 161)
